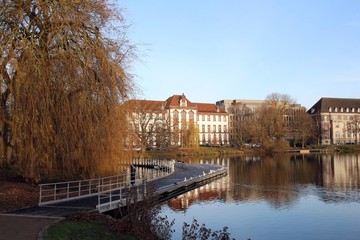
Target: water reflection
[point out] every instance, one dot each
(280, 180)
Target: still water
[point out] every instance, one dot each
(278, 197)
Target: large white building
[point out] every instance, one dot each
(177, 121)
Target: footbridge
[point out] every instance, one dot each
(168, 179)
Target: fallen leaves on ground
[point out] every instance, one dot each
(15, 195)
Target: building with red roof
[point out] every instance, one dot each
(177, 122)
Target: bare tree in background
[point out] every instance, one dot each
(164, 133)
(269, 127)
(241, 116)
(301, 126)
(353, 126)
(146, 118)
(61, 80)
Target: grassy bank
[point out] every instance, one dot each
(86, 227)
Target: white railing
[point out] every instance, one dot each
(64, 191)
(111, 197)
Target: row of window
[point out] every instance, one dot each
(215, 118)
(342, 109)
(343, 135)
(209, 138)
(213, 129)
(199, 117)
(339, 117)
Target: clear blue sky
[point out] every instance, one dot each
(246, 49)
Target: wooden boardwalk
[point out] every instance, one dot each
(184, 178)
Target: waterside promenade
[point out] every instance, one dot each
(27, 223)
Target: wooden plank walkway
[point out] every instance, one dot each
(185, 178)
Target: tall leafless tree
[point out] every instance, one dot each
(301, 127)
(353, 126)
(269, 127)
(241, 116)
(62, 77)
(146, 119)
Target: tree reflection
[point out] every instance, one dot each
(281, 180)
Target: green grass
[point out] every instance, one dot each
(75, 230)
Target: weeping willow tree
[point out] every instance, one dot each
(62, 78)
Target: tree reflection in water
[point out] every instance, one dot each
(306, 185)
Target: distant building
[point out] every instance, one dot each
(337, 120)
(172, 121)
(241, 109)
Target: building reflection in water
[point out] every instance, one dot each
(279, 180)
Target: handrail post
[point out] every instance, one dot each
(99, 193)
(40, 197)
(55, 191)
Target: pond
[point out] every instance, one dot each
(277, 197)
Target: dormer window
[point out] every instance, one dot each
(330, 109)
(335, 109)
(341, 109)
(182, 101)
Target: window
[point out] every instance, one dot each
(219, 128)
(203, 117)
(203, 128)
(183, 103)
(225, 128)
(341, 109)
(330, 109)
(352, 109)
(335, 109)
(214, 118)
(208, 117)
(208, 128)
(214, 128)
(183, 116)
(347, 109)
(191, 115)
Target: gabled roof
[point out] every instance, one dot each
(174, 101)
(325, 103)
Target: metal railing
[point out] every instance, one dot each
(64, 191)
(111, 197)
